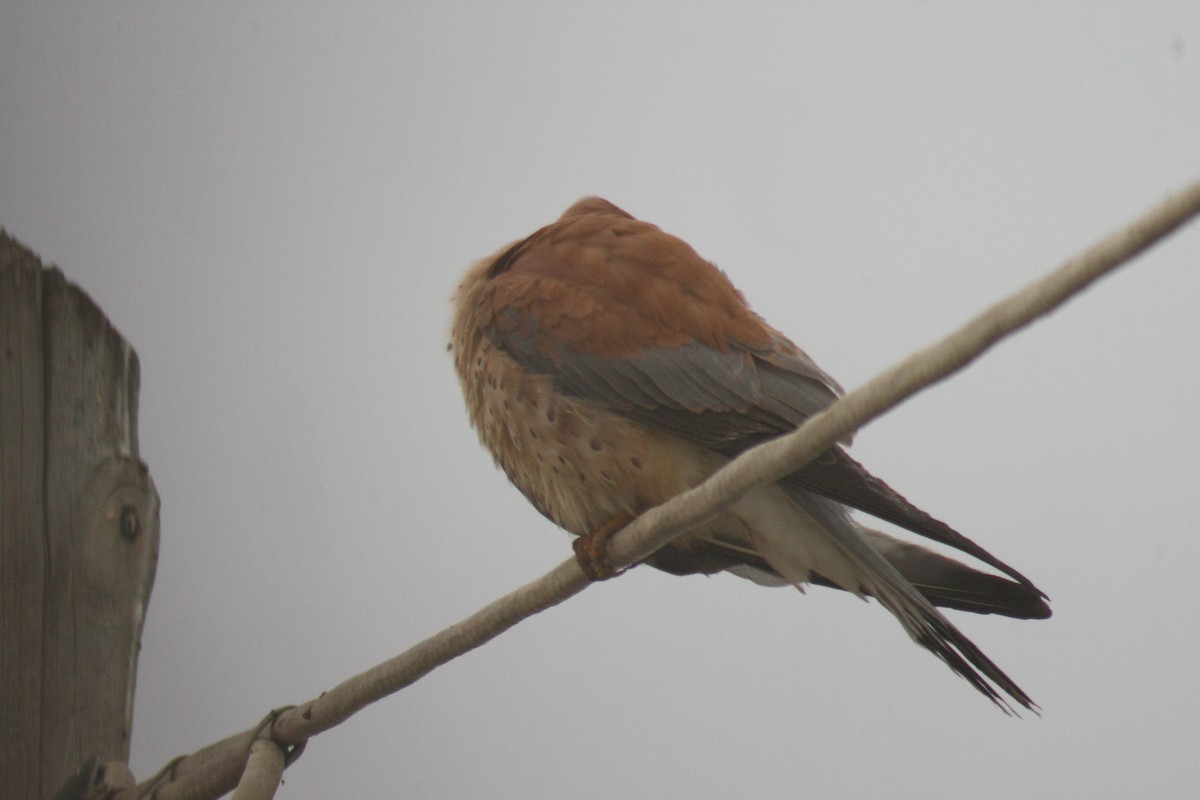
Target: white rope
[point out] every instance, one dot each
(213, 771)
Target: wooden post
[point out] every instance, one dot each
(78, 534)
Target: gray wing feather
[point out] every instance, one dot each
(724, 398)
(730, 401)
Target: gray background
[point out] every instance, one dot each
(273, 203)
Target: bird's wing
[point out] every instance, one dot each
(624, 315)
(629, 317)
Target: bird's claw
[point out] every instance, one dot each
(591, 551)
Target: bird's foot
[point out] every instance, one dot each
(591, 551)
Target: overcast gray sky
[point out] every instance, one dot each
(273, 203)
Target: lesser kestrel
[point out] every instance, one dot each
(608, 367)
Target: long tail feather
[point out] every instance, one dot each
(876, 576)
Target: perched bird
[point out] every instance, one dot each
(608, 367)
